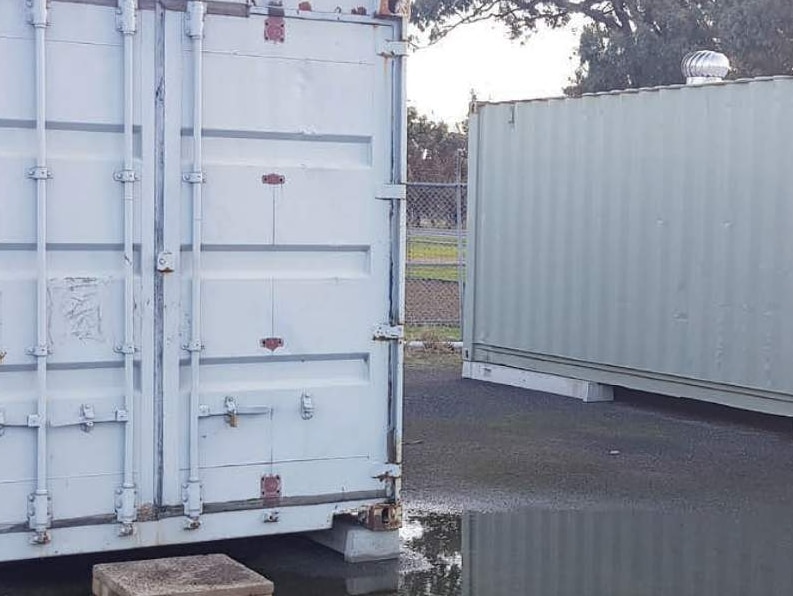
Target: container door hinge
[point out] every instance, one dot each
(389, 192)
(40, 516)
(194, 18)
(193, 505)
(126, 512)
(389, 332)
(392, 48)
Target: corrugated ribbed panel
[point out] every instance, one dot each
(650, 232)
(626, 553)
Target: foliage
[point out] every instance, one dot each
(433, 148)
(638, 43)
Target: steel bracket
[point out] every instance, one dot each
(166, 262)
(306, 407)
(125, 349)
(392, 48)
(386, 332)
(126, 176)
(87, 417)
(39, 173)
(194, 177)
(38, 351)
(391, 192)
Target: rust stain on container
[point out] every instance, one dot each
(382, 517)
(272, 343)
(271, 487)
(273, 178)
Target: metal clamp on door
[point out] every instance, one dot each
(231, 410)
(31, 421)
(88, 417)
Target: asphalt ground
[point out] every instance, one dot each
(476, 445)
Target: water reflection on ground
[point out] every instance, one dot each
(539, 552)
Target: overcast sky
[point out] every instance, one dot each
(480, 57)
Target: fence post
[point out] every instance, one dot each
(460, 258)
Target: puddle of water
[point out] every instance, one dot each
(541, 552)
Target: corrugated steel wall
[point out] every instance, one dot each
(647, 235)
(626, 553)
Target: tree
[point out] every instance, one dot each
(433, 148)
(637, 43)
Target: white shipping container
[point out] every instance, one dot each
(201, 256)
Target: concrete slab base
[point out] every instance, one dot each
(358, 544)
(203, 575)
(586, 391)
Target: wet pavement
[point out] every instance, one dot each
(511, 492)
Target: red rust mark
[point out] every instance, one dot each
(272, 343)
(304, 6)
(394, 8)
(274, 29)
(273, 179)
(382, 517)
(271, 486)
(147, 512)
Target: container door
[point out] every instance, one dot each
(75, 323)
(275, 388)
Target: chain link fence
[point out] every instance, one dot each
(435, 273)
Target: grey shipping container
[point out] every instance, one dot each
(640, 239)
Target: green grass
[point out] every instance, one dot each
(437, 272)
(432, 333)
(440, 250)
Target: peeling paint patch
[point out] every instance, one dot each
(76, 309)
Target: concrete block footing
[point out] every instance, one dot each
(203, 575)
(357, 543)
(586, 391)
